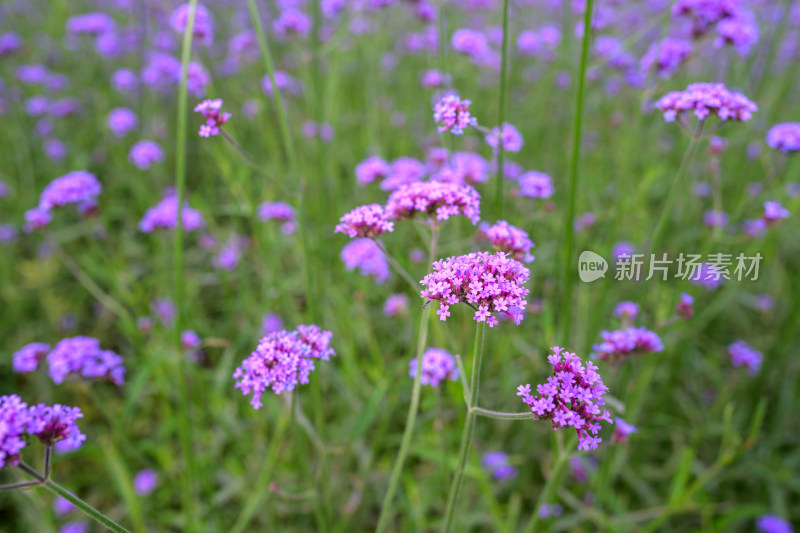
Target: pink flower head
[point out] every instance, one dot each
(281, 212)
(742, 354)
(214, 119)
(536, 184)
(292, 22)
(56, 423)
(371, 169)
(490, 283)
(365, 221)
(685, 308)
(464, 167)
(435, 200)
(363, 254)
(203, 29)
(84, 356)
(510, 239)
(79, 187)
(164, 215)
(705, 100)
(27, 358)
(281, 361)
(452, 113)
(572, 396)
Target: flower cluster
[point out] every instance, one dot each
(281, 212)
(620, 345)
(510, 137)
(365, 221)
(50, 424)
(27, 358)
(79, 187)
(705, 13)
(396, 304)
(121, 121)
(365, 255)
(437, 366)
(464, 167)
(164, 215)
(497, 464)
(742, 354)
(84, 356)
(452, 113)
(203, 29)
(491, 283)
(784, 137)
(572, 396)
(434, 198)
(371, 169)
(773, 212)
(281, 361)
(706, 99)
(510, 239)
(536, 184)
(770, 523)
(144, 154)
(666, 57)
(627, 311)
(214, 118)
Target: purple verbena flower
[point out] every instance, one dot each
(36, 218)
(78, 187)
(90, 24)
(164, 310)
(281, 361)
(190, 340)
(621, 345)
(281, 212)
(784, 137)
(470, 42)
(203, 29)
(715, 219)
(510, 239)
(706, 99)
(145, 154)
(271, 323)
(452, 113)
(121, 121)
(498, 465)
(14, 420)
(367, 257)
(770, 523)
(292, 22)
(773, 212)
(365, 221)
(627, 311)
(464, 167)
(666, 57)
(85, 357)
(437, 365)
(491, 283)
(164, 215)
(437, 201)
(371, 169)
(685, 308)
(145, 481)
(704, 14)
(742, 354)
(404, 171)
(572, 396)
(9, 43)
(622, 430)
(511, 138)
(396, 304)
(535, 184)
(27, 358)
(56, 423)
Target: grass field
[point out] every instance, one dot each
(152, 245)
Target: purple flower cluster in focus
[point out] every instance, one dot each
(452, 113)
(214, 118)
(510, 239)
(434, 199)
(282, 360)
(84, 356)
(491, 283)
(572, 397)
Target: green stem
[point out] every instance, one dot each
(499, 415)
(569, 229)
(469, 423)
(57, 489)
(673, 191)
(400, 270)
(259, 493)
(501, 117)
(549, 489)
(180, 182)
(411, 419)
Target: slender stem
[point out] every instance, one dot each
(411, 418)
(392, 261)
(569, 229)
(20, 485)
(469, 422)
(673, 191)
(462, 376)
(57, 489)
(501, 117)
(549, 489)
(32, 472)
(480, 411)
(48, 454)
(257, 497)
(184, 425)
